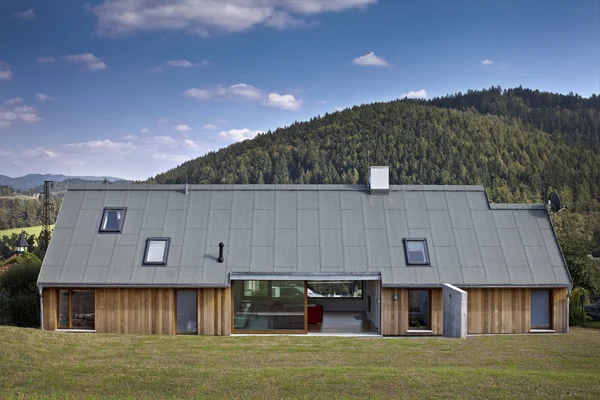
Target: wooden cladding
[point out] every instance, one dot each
(50, 317)
(509, 310)
(395, 313)
(148, 311)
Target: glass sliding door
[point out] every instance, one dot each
(269, 306)
(187, 314)
(76, 309)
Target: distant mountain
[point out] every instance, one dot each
(33, 180)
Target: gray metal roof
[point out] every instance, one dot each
(307, 230)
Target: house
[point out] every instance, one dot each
(228, 259)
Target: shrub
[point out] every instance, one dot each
(577, 299)
(24, 309)
(19, 283)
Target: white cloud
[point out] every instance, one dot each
(145, 131)
(89, 61)
(370, 59)
(285, 101)
(46, 60)
(107, 144)
(12, 102)
(175, 158)
(419, 94)
(182, 128)
(198, 93)
(28, 15)
(205, 17)
(160, 140)
(244, 91)
(5, 72)
(487, 62)
(191, 144)
(209, 127)
(22, 113)
(239, 135)
(162, 121)
(130, 138)
(180, 63)
(41, 97)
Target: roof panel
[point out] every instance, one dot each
(520, 275)
(485, 228)
(378, 251)
(221, 200)
(477, 201)
(189, 276)
(528, 228)
(69, 210)
(404, 276)
(175, 226)
(398, 257)
(174, 256)
(95, 275)
(198, 211)
(87, 226)
(263, 228)
(239, 249)
(143, 274)
(286, 248)
(355, 259)
(178, 200)
(554, 253)
(416, 212)
(395, 201)
(449, 268)
(441, 228)
(49, 274)
(121, 265)
(309, 259)
(115, 198)
(329, 210)
(474, 276)
(92, 201)
(218, 227)
(538, 264)
(102, 249)
(460, 214)
(214, 272)
(193, 247)
(308, 227)
(353, 230)
(561, 275)
(59, 245)
(136, 200)
(514, 254)
(241, 213)
(166, 275)
(351, 200)
(495, 267)
(285, 210)
(307, 200)
(427, 275)
(133, 221)
(468, 250)
(397, 227)
(262, 259)
(156, 208)
(264, 200)
(373, 212)
(504, 219)
(75, 263)
(332, 255)
(436, 201)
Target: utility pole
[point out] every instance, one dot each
(47, 209)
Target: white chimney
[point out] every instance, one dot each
(379, 179)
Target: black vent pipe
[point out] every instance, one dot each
(221, 259)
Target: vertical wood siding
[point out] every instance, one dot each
(50, 300)
(508, 310)
(394, 313)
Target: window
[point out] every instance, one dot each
(76, 309)
(419, 310)
(416, 252)
(186, 312)
(157, 251)
(337, 289)
(112, 220)
(540, 309)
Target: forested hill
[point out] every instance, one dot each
(451, 140)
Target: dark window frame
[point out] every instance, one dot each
(429, 292)
(70, 308)
(104, 215)
(197, 308)
(550, 309)
(165, 254)
(424, 241)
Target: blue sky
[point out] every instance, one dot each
(131, 88)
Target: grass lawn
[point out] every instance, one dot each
(31, 230)
(36, 364)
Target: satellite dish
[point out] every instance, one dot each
(554, 202)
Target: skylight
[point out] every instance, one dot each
(416, 251)
(157, 251)
(112, 219)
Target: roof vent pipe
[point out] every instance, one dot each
(221, 259)
(379, 180)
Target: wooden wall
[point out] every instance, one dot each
(508, 310)
(394, 313)
(148, 311)
(50, 301)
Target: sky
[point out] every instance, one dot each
(132, 88)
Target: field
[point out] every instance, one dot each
(31, 230)
(36, 364)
